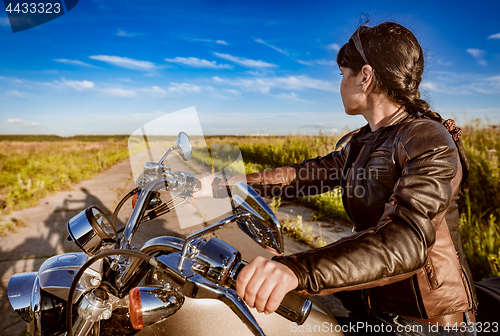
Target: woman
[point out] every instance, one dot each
(400, 176)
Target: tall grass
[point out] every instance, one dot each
(480, 201)
(31, 170)
(276, 151)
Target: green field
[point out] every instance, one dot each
(33, 166)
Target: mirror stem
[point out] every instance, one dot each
(167, 153)
(211, 228)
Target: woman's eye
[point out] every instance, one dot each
(341, 73)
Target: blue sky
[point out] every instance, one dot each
(265, 67)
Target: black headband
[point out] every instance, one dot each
(357, 42)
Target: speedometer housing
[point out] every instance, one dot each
(92, 231)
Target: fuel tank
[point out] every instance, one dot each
(212, 317)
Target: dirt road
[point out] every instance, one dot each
(46, 233)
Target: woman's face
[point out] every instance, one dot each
(350, 91)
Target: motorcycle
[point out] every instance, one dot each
(170, 285)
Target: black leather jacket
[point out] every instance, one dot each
(399, 186)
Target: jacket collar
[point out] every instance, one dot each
(365, 135)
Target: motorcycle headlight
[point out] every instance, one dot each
(91, 230)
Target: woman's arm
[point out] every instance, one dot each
(310, 177)
(397, 246)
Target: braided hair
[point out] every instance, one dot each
(397, 60)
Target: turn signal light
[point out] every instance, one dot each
(135, 308)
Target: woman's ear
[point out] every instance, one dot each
(366, 76)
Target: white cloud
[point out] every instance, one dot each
(125, 62)
(494, 36)
(198, 63)
(173, 89)
(308, 63)
(264, 85)
(184, 88)
(74, 62)
(208, 40)
(22, 122)
(200, 40)
(4, 21)
(216, 93)
(245, 62)
(315, 125)
(333, 46)
(156, 92)
(478, 54)
(305, 82)
(475, 52)
(12, 80)
(443, 62)
(124, 33)
(326, 62)
(317, 62)
(282, 51)
(16, 93)
(462, 83)
(258, 73)
(235, 92)
(290, 97)
(78, 85)
(428, 86)
(119, 93)
(494, 78)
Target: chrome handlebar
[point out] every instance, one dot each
(156, 177)
(194, 285)
(201, 269)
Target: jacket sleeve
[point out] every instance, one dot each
(310, 177)
(397, 246)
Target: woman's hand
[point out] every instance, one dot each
(206, 185)
(264, 283)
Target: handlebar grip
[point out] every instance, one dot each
(220, 189)
(198, 185)
(294, 306)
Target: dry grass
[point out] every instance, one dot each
(31, 170)
(11, 227)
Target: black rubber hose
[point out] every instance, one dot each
(69, 310)
(119, 206)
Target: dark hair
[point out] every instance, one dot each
(397, 60)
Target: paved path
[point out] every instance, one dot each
(46, 234)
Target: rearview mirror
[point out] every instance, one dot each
(263, 227)
(184, 146)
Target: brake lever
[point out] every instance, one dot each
(205, 289)
(193, 285)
